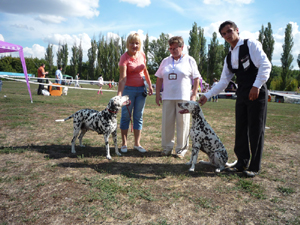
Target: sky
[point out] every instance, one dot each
(34, 24)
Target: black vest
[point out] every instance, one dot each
(246, 72)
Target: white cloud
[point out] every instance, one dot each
(36, 51)
(139, 3)
(277, 53)
(50, 18)
(248, 34)
(209, 30)
(1, 37)
(57, 39)
(70, 40)
(111, 35)
(279, 41)
(52, 11)
(39, 51)
(296, 38)
(212, 2)
(22, 26)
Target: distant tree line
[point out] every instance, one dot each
(104, 56)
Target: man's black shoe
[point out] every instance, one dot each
(250, 173)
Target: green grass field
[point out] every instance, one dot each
(41, 182)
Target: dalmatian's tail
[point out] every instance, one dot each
(63, 120)
(231, 164)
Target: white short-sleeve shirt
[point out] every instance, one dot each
(177, 75)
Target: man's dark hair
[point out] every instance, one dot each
(227, 22)
(43, 64)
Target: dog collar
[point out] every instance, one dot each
(112, 111)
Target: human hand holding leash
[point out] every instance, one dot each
(202, 100)
(150, 92)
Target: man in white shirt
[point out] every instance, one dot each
(100, 84)
(58, 75)
(215, 98)
(77, 80)
(247, 60)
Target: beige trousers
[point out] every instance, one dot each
(170, 115)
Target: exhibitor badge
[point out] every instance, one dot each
(172, 76)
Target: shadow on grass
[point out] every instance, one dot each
(61, 151)
(135, 169)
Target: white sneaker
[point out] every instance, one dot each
(181, 154)
(140, 149)
(124, 149)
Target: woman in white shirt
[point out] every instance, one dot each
(175, 73)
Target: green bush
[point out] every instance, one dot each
(292, 85)
(276, 83)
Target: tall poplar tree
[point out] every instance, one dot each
(117, 56)
(92, 57)
(114, 57)
(194, 46)
(261, 34)
(286, 57)
(226, 49)
(146, 48)
(268, 43)
(202, 48)
(65, 54)
(49, 56)
(159, 49)
(123, 45)
(102, 58)
(74, 60)
(267, 40)
(79, 58)
(59, 55)
(213, 57)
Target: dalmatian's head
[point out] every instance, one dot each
(117, 102)
(189, 107)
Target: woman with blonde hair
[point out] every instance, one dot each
(132, 70)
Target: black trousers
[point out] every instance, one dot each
(250, 130)
(41, 86)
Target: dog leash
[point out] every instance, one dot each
(115, 112)
(185, 144)
(130, 118)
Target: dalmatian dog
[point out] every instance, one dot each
(205, 139)
(103, 122)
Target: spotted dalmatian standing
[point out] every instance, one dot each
(103, 122)
(204, 138)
